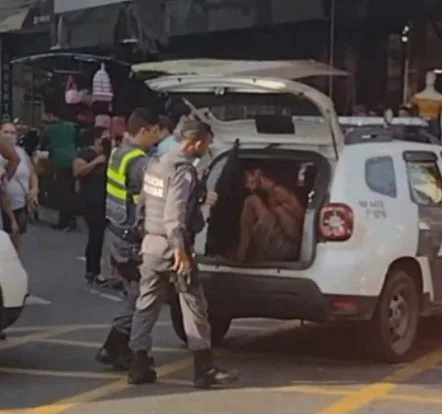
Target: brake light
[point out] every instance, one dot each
(336, 222)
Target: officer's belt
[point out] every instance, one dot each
(118, 231)
(189, 238)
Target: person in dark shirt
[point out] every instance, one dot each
(90, 170)
(61, 138)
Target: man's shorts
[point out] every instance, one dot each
(21, 216)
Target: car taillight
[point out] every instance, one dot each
(336, 222)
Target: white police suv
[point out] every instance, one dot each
(371, 248)
(13, 283)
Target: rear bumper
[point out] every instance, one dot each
(10, 316)
(242, 296)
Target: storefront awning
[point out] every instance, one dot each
(286, 69)
(68, 62)
(14, 22)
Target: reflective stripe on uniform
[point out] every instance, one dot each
(117, 177)
(119, 193)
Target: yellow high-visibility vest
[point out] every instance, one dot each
(118, 193)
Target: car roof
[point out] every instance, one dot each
(388, 134)
(394, 148)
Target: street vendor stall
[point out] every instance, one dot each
(83, 89)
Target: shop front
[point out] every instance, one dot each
(24, 29)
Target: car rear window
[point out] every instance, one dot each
(380, 176)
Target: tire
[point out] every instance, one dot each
(401, 295)
(219, 325)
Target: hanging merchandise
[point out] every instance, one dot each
(102, 86)
(72, 95)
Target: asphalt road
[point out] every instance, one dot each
(47, 364)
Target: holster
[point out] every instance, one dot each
(127, 270)
(183, 282)
(132, 236)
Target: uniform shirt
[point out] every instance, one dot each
(121, 250)
(180, 189)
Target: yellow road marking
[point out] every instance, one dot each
(52, 327)
(62, 374)
(276, 326)
(97, 345)
(303, 389)
(380, 390)
(112, 388)
(317, 390)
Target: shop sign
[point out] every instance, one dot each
(42, 12)
(5, 81)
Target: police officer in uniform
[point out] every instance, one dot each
(124, 182)
(170, 194)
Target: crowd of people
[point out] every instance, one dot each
(101, 181)
(18, 186)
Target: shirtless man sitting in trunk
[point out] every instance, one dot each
(271, 223)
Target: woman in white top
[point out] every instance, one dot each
(22, 188)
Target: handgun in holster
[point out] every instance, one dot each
(134, 236)
(183, 281)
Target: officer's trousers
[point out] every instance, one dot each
(128, 272)
(123, 321)
(155, 274)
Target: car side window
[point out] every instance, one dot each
(425, 182)
(380, 176)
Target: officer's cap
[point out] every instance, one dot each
(195, 129)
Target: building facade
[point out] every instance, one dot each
(25, 28)
(360, 36)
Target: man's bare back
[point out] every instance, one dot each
(274, 226)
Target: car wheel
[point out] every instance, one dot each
(396, 319)
(219, 324)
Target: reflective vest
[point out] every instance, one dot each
(120, 198)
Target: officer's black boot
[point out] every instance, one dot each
(115, 351)
(207, 374)
(141, 370)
